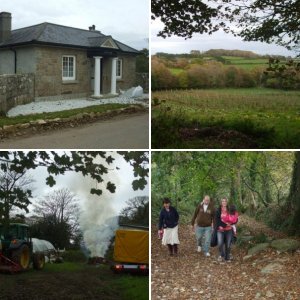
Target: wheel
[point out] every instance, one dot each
(21, 256)
(38, 261)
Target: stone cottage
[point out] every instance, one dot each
(67, 62)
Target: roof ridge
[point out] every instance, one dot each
(43, 27)
(125, 45)
(48, 23)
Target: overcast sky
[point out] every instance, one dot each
(204, 42)
(127, 21)
(81, 186)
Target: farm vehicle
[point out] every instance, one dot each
(16, 249)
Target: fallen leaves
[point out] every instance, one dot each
(193, 276)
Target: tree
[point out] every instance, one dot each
(48, 228)
(294, 195)
(61, 204)
(142, 61)
(271, 21)
(256, 182)
(57, 217)
(14, 192)
(84, 162)
(17, 163)
(136, 212)
(184, 17)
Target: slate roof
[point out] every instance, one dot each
(53, 34)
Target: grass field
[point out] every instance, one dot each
(246, 63)
(226, 118)
(240, 62)
(73, 281)
(176, 71)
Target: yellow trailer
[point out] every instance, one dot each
(131, 250)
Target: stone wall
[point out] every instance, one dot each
(128, 79)
(49, 80)
(15, 90)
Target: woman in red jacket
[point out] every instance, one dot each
(224, 230)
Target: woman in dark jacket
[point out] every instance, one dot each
(224, 231)
(168, 222)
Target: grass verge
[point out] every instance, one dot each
(60, 114)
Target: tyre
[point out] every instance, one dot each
(38, 261)
(21, 256)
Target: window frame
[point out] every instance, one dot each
(119, 61)
(69, 78)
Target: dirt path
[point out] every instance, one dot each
(130, 131)
(192, 276)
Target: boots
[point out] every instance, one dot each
(170, 247)
(175, 247)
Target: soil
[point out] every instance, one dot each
(190, 275)
(217, 137)
(91, 282)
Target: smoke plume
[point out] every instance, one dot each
(98, 218)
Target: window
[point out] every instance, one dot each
(68, 67)
(119, 68)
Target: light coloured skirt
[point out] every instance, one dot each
(170, 236)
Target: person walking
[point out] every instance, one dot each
(224, 230)
(202, 224)
(168, 223)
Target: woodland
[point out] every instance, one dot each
(263, 185)
(265, 262)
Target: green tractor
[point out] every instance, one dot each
(16, 250)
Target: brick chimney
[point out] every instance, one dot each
(5, 26)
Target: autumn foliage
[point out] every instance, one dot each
(217, 72)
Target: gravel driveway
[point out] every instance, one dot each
(52, 106)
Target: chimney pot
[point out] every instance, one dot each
(5, 26)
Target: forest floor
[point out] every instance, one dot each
(190, 275)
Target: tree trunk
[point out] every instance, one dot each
(294, 195)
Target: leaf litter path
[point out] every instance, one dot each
(193, 276)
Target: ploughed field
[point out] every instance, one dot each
(226, 118)
(73, 281)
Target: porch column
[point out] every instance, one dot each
(114, 76)
(97, 77)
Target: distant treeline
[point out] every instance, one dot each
(218, 52)
(199, 73)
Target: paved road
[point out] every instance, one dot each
(125, 132)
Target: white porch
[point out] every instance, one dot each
(98, 76)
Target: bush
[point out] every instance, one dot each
(260, 238)
(74, 256)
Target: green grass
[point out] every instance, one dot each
(71, 280)
(246, 63)
(134, 287)
(176, 71)
(64, 267)
(270, 117)
(60, 114)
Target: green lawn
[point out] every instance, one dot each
(270, 118)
